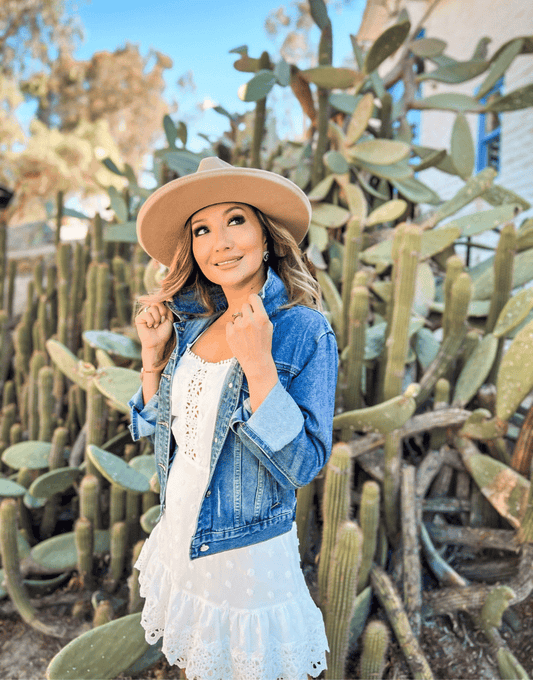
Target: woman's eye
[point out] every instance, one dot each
(237, 218)
(197, 231)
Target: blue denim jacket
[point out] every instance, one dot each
(257, 459)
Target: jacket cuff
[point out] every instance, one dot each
(276, 422)
(143, 416)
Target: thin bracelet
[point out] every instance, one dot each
(143, 371)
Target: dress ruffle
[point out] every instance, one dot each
(211, 642)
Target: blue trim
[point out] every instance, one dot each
(485, 139)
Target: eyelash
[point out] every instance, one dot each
(233, 217)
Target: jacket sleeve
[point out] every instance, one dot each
(143, 416)
(291, 431)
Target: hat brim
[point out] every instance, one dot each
(163, 216)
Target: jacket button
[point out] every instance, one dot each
(215, 440)
(230, 384)
(204, 547)
(208, 492)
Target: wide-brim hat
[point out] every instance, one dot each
(162, 218)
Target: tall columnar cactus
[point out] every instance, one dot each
(325, 58)
(375, 642)
(119, 544)
(357, 317)
(38, 360)
(89, 311)
(352, 247)
(369, 522)
(404, 288)
(132, 516)
(84, 535)
(335, 509)
(6, 347)
(304, 501)
(117, 503)
(89, 502)
(342, 583)
(11, 278)
(391, 483)
(103, 296)
(45, 403)
(454, 267)
(56, 460)
(259, 118)
(96, 416)
(22, 339)
(121, 291)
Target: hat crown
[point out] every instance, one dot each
(213, 163)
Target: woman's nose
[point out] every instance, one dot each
(222, 240)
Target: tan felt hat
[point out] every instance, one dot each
(163, 216)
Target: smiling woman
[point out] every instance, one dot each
(239, 375)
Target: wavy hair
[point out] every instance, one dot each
(293, 267)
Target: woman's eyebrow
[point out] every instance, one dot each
(233, 207)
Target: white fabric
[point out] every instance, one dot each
(242, 614)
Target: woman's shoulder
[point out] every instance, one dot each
(300, 318)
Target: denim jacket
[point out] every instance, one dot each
(257, 459)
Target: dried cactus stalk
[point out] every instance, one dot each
(342, 581)
(391, 483)
(103, 613)
(391, 602)
(325, 51)
(335, 509)
(375, 643)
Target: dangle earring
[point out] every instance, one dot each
(265, 255)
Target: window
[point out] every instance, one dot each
(489, 134)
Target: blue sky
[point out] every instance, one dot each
(197, 35)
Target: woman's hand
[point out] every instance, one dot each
(250, 336)
(154, 326)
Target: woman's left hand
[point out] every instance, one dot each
(250, 337)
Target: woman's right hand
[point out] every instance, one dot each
(154, 326)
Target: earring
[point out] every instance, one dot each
(265, 255)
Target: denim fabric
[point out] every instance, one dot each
(257, 459)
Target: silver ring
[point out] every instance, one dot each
(236, 315)
(146, 308)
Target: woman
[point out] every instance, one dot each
(238, 387)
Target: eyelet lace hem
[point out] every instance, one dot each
(216, 643)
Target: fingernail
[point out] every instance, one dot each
(156, 325)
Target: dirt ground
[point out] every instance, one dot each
(455, 649)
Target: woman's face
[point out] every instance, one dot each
(228, 244)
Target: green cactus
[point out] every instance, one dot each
(304, 503)
(37, 361)
(121, 291)
(59, 553)
(369, 523)
(375, 643)
(119, 536)
(89, 501)
(454, 267)
(45, 403)
(117, 500)
(325, 57)
(103, 296)
(77, 660)
(6, 347)
(342, 582)
(10, 561)
(83, 532)
(8, 394)
(335, 510)
(133, 514)
(404, 288)
(358, 314)
(57, 482)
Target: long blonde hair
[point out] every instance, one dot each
(285, 257)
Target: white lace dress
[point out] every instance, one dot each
(241, 614)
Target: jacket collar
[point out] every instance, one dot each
(273, 294)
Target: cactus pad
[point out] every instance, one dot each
(59, 553)
(515, 311)
(10, 489)
(118, 385)
(55, 481)
(113, 343)
(32, 455)
(149, 519)
(103, 652)
(144, 464)
(384, 417)
(117, 471)
(515, 377)
(476, 370)
(69, 364)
